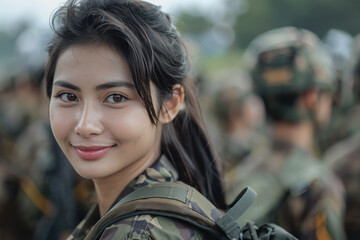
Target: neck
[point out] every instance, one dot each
(298, 134)
(108, 189)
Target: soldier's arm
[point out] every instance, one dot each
(317, 213)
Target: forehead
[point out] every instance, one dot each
(92, 62)
(88, 53)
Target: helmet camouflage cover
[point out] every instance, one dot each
(355, 67)
(289, 60)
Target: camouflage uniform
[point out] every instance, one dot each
(12, 226)
(295, 189)
(342, 123)
(142, 226)
(343, 157)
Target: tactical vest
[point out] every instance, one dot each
(182, 202)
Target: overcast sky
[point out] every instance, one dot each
(38, 11)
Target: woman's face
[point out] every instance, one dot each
(97, 116)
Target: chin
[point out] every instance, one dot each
(89, 171)
(91, 174)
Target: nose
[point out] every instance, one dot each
(89, 123)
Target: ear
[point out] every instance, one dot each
(310, 99)
(172, 106)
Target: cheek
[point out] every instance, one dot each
(130, 123)
(61, 123)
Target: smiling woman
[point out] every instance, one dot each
(96, 114)
(123, 110)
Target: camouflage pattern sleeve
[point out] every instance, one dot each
(314, 210)
(314, 214)
(150, 227)
(343, 158)
(295, 191)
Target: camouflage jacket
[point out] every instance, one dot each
(343, 124)
(142, 226)
(344, 159)
(295, 191)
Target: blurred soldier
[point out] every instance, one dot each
(240, 115)
(294, 77)
(344, 157)
(339, 44)
(19, 100)
(52, 197)
(11, 225)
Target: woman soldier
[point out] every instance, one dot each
(123, 110)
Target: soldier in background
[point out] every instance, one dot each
(339, 44)
(52, 197)
(344, 157)
(12, 226)
(294, 77)
(240, 114)
(19, 100)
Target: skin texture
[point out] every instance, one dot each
(88, 113)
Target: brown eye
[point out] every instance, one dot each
(68, 97)
(115, 98)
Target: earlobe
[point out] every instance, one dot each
(172, 106)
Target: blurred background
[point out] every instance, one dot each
(35, 178)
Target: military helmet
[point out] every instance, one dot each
(289, 60)
(355, 68)
(356, 52)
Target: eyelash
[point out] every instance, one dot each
(61, 94)
(123, 98)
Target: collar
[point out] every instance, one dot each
(161, 171)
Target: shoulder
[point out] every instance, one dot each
(344, 152)
(151, 227)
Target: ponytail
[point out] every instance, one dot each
(186, 144)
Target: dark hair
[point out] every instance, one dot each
(154, 51)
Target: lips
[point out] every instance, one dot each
(92, 152)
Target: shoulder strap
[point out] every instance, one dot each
(179, 201)
(229, 222)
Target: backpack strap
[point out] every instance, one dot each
(228, 223)
(174, 200)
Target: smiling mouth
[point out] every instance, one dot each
(92, 152)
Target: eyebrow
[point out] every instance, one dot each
(66, 85)
(115, 84)
(100, 87)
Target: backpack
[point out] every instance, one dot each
(182, 202)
